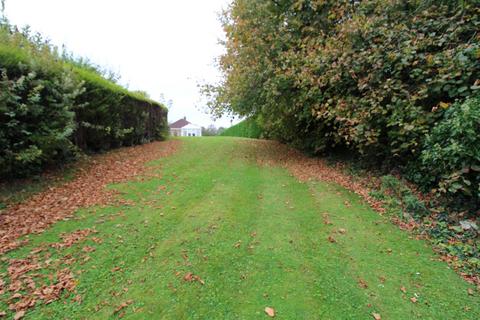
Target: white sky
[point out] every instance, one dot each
(159, 46)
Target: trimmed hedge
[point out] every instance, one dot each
(51, 108)
(248, 128)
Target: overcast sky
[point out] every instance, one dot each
(159, 46)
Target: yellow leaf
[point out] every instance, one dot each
(444, 105)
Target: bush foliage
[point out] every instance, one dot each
(374, 77)
(52, 106)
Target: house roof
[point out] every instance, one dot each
(179, 123)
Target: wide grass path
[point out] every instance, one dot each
(220, 237)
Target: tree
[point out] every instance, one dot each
(211, 130)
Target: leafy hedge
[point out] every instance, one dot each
(450, 158)
(51, 107)
(374, 77)
(248, 128)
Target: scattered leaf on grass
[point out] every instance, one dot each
(413, 299)
(470, 291)
(19, 315)
(362, 283)
(403, 289)
(123, 306)
(331, 239)
(188, 277)
(376, 316)
(270, 312)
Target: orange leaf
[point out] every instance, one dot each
(376, 316)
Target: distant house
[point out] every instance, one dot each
(183, 128)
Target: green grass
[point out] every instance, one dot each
(248, 128)
(257, 237)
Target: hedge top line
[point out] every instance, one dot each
(11, 57)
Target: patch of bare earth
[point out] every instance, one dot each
(88, 188)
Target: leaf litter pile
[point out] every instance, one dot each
(37, 278)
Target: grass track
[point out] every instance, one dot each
(257, 237)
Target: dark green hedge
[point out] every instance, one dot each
(51, 109)
(248, 128)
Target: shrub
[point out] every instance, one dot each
(450, 159)
(36, 116)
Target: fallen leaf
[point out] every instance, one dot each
(362, 283)
(19, 315)
(331, 239)
(413, 299)
(188, 277)
(470, 291)
(403, 289)
(342, 231)
(123, 306)
(376, 316)
(270, 312)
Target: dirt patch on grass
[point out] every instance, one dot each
(87, 188)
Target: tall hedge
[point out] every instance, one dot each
(51, 108)
(247, 128)
(373, 77)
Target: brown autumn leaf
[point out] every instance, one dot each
(342, 231)
(326, 218)
(413, 299)
(197, 278)
(403, 289)
(19, 315)
(270, 312)
(122, 306)
(376, 316)
(188, 277)
(362, 283)
(331, 239)
(470, 291)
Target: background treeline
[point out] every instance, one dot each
(53, 106)
(395, 82)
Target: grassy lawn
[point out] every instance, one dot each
(218, 237)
